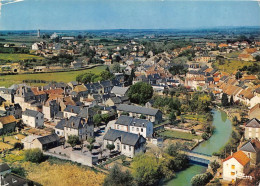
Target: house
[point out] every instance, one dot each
(8, 109)
(128, 144)
(75, 126)
(252, 129)
(41, 142)
(4, 169)
(7, 178)
(252, 150)
(153, 115)
(33, 118)
(50, 109)
(120, 91)
(107, 85)
(254, 112)
(134, 125)
(235, 165)
(7, 124)
(71, 110)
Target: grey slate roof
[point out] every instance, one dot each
(130, 121)
(48, 139)
(72, 109)
(74, 122)
(125, 137)
(106, 83)
(61, 124)
(86, 112)
(4, 167)
(248, 147)
(31, 113)
(255, 123)
(137, 109)
(119, 90)
(15, 180)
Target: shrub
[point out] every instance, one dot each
(34, 155)
(201, 179)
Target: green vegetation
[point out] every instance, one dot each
(201, 179)
(178, 135)
(17, 57)
(232, 65)
(140, 93)
(117, 177)
(214, 166)
(73, 140)
(34, 155)
(8, 80)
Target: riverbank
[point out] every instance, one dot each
(221, 134)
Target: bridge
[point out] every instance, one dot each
(201, 158)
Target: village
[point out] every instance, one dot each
(143, 101)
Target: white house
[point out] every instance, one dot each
(33, 118)
(134, 125)
(75, 126)
(235, 165)
(128, 144)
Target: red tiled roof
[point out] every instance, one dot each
(240, 157)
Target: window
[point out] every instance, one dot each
(142, 129)
(133, 129)
(232, 173)
(137, 129)
(117, 126)
(232, 166)
(129, 148)
(124, 147)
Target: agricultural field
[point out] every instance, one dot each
(18, 57)
(8, 80)
(232, 65)
(233, 54)
(179, 135)
(19, 39)
(54, 171)
(9, 141)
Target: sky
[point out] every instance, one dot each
(126, 14)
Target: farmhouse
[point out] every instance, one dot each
(33, 118)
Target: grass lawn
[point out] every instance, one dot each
(199, 118)
(233, 54)
(66, 77)
(179, 135)
(232, 65)
(17, 57)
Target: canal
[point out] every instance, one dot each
(221, 135)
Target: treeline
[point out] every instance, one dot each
(92, 78)
(12, 50)
(150, 169)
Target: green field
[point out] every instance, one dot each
(232, 65)
(8, 80)
(17, 57)
(179, 135)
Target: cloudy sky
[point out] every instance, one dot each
(126, 14)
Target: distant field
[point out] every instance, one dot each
(233, 54)
(232, 65)
(17, 57)
(179, 135)
(66, 77)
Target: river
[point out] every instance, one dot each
(221, 135)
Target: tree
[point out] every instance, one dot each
(142, 116)
(117, 177)
(110, 147)
(172, 118)
(214, 166)
(235, 120)
(131, 77)
(73, 140)
(205, 136)
(201, 179)
(18, 145)
(105, 75)
(90, 147)
(97, 118)
(140, 93)
(33, 155)
(193, 131)
(116, 67)
(238, 75)
(224, 100)
(145, 169)
(231, 102)
(257, 58)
